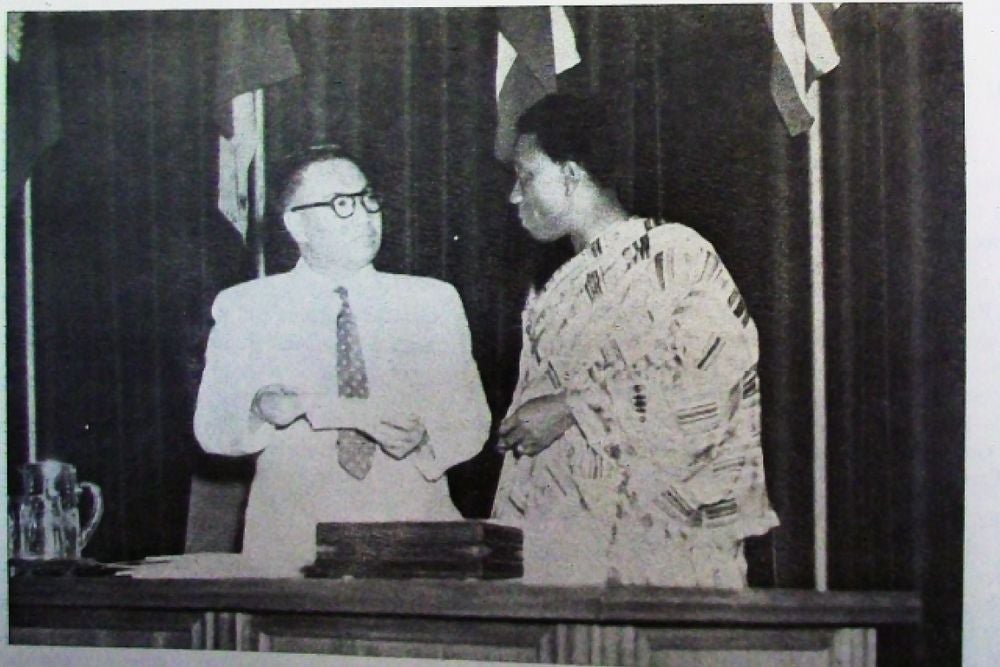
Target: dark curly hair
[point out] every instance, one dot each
(570, 127)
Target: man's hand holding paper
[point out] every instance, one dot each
(398, 433)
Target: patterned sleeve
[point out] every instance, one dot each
(675, 389)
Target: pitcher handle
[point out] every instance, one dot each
(95, 515)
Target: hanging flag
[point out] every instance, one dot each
(803, 51)
(236, 154)
(33, 111)
(533, 46)
(254, 51)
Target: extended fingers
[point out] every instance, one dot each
(408, 424)
(513, 440)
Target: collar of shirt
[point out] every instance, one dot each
(356, 282)
(608, 243)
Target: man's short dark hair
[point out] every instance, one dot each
(293, 167)
(569, 127)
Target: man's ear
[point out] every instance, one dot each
(294, 225)
(572, 175)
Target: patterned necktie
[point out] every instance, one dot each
(354, 449)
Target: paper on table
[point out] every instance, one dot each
(207, 566)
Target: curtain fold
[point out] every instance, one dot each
(895, 249)
(129, 252)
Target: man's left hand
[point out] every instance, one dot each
(398, 434)
(535, 425)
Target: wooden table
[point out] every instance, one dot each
(494, 621)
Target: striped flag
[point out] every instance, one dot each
(533, 46)
(254, 51)
(803, 51)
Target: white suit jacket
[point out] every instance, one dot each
(282, 330)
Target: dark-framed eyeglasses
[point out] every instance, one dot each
(344, 204)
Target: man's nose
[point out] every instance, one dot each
(515, 194)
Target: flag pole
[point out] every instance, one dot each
(29, 325)
(820, 527)
(259, 200)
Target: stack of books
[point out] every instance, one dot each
(432, 549)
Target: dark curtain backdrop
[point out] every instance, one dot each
(130, 250)
(895, 249)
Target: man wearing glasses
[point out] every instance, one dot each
(357, 388)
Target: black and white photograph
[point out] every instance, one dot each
(585, 334)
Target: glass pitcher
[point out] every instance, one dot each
(44, 520)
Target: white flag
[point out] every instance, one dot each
(803, 51)
(235, 157)
(533, 46)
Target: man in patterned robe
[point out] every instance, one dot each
(633, 437)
